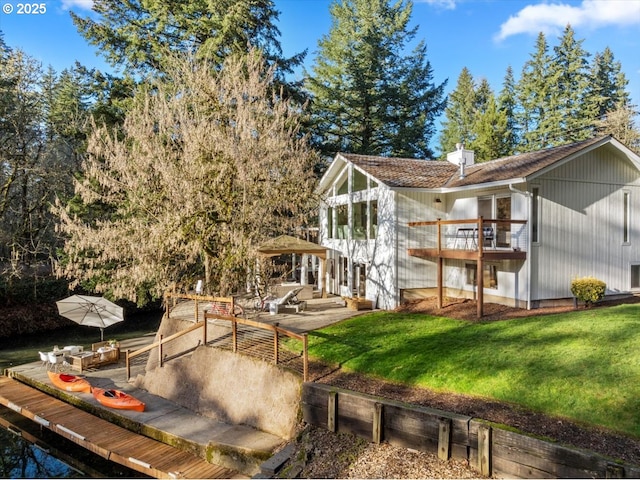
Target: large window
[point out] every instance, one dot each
(373, 218)
(360, 221)
(359, 181)
(330, 222)
(497, 208)
(342, 221)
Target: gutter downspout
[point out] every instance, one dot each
(529, 212)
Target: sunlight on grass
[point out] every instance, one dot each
(584, 365)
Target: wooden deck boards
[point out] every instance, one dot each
(117, 444)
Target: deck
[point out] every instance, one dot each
(460, 254)
(104, 438)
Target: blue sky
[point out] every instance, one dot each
(486, 36)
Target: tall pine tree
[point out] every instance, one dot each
(368, 96)
(139, 34)
(533, 93)
(490, 125)
(459, 115)
(607, 86)
(507, 103)
(572, 118)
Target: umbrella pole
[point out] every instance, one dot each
(102, 334)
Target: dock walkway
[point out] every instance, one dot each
(103, 438)
(163, 422)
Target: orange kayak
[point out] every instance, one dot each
(117, 399)
(69, 383)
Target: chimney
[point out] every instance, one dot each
(461, 157)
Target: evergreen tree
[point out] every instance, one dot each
(607, 85)
(367, 96)
(571, 113)
(490, 125)
(507, 103)
(139, 34)
(533, 93)
(460, 115)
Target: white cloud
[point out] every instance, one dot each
(553, 17)
(81, 4)
(447, 4)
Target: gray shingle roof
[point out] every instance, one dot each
(412, 173)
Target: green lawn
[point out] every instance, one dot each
(584, 365)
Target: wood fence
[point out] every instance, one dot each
(490, 449)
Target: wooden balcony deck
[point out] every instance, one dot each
(474, 239)
(467, 254)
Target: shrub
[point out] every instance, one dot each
(588, 289)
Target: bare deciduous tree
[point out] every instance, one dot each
(208, 164)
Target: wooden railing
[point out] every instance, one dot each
(131, 356)
(224, 305)
(247, 337)
(462, 234)
(264, 341)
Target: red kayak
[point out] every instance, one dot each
(69, 383)
(116, 399)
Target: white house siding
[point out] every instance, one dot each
(581, 207)
(416, 206)
(377, 254)
(382, 274)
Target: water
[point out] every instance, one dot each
(28, 450)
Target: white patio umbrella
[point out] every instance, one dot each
(92, 311)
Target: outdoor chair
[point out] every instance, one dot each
(44, 358)
(55, 360)
(290, 300)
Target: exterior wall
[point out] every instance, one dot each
(414, 206)
(378, 255)
(581, 228)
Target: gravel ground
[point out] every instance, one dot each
(322, 454)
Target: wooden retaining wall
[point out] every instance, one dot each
(490, 449)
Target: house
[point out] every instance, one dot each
(397, 228)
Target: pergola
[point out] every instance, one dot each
(285, 244)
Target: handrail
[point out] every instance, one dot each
(276, 330)
(196, 298)
(272, 328)
(464, 220)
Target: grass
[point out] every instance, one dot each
(583, 365)
(24, 349)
